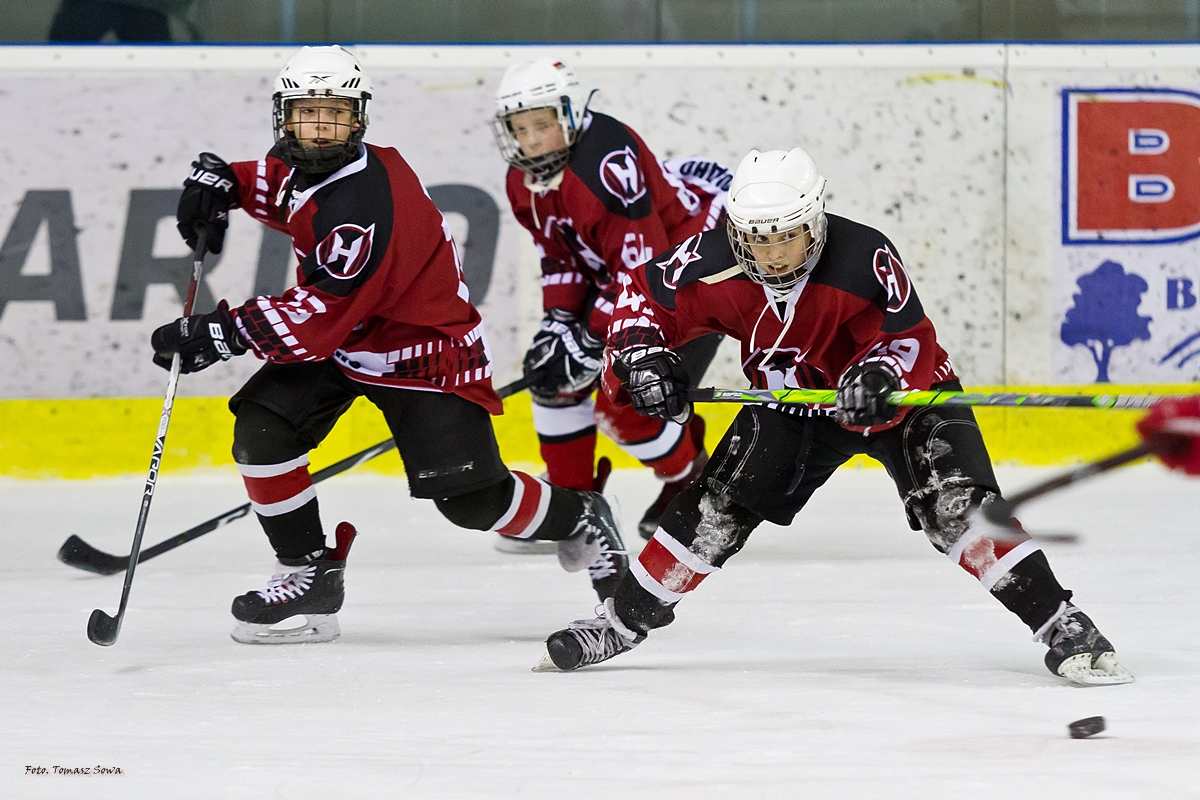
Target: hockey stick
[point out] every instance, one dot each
(828, 397)
(1000, 511)
(103, 629)
(77, 553)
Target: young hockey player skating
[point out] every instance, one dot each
(817, 301)
(597, 202)
(380, 310)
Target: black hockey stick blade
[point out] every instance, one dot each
(103, 629)
(1000, 511)
(75, 552)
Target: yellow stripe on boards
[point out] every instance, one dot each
(94, 438)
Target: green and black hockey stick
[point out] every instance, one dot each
(828, 397)
(77, 553)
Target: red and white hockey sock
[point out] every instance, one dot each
(527, 509)
(990, 552)
(567, 436)
(285, 500)
(276, 489)
(667, 569)
(569, 462)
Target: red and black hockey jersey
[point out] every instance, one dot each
(379, 285)
(612, 207)
(857, 305)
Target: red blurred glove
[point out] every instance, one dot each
(1178, 421)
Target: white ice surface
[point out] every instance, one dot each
(840, 658)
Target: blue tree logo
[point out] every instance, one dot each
(1105, 314)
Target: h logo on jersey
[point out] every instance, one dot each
(346, 250)
(621, 176)
(891, 275)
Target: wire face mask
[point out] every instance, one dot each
(319, 133)
(779, 261)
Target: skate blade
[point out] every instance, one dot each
(298, 629)
(545, 665)
(1107, 671)
(525, 547)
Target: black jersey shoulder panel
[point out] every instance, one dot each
(607, 158)
(354, 214)
(705, 255)
(861, 261)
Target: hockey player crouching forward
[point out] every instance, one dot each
(816, 301)
(597, 202)
(380, 311)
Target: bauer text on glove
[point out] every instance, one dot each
(201, 340)
(563, 358)
(208, 193)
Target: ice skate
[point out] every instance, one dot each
(673, 488)
(588, 641)
(1078, 651)
(301, 601)
(596, 546)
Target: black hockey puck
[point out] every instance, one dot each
(1083, 728)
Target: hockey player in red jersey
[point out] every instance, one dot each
(817, 301)
(380, 310)
(597, 202)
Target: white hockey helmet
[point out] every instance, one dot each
(316, 72)
(777, 192)
(542, 83)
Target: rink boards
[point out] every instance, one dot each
(79, 439)
(1042, 198)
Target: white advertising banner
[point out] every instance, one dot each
(1040, 197)
(1104, 214)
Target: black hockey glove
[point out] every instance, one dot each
(564, 357)
(862, 395)
(208, 194)
(656, 381)
(201, 340)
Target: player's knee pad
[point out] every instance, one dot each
(478, 510)
(708, 523)
(944, 514)
(260, 436)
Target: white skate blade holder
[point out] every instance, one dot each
(296, 629)
(1106, 671)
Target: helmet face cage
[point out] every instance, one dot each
(546, 165)
(331, 157)
(778, 274)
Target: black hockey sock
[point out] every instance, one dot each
(566, 507)
(639, 609)
(1031, 591)
(296, 533)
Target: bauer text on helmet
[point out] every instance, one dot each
(776, 214)
(321, 98)
(540, 108)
